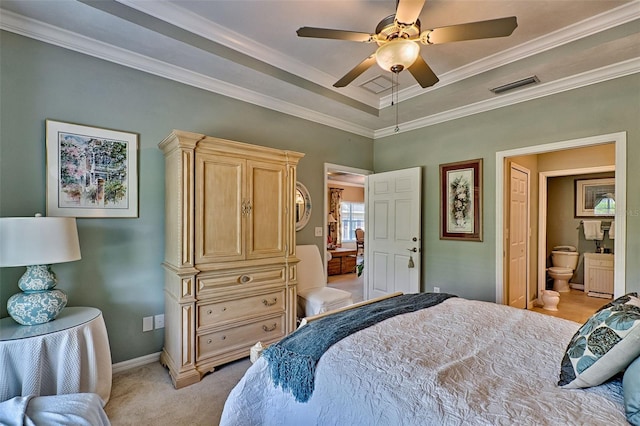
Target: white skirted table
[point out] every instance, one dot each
(70, 354)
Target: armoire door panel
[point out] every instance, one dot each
(219, 209)
(266, 218)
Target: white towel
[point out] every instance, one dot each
(592, 229)
(612, 230)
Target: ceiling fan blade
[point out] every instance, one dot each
(423, 73)
(501, 27)
(408, 11)
(354, 73)
(333, 34)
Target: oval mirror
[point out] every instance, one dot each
(303, 206)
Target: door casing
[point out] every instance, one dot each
(620, 141)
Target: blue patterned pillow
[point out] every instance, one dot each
(631, 389)
(604, 346)
(619, 301)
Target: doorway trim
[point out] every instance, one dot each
(542, 213)
(620, 141)
(330, 167)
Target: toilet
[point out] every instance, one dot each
(550, 300)
(564, 260)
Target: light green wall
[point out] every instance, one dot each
(467, 268)
(120, 270)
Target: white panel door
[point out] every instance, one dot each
(518, 237)
(393, 232)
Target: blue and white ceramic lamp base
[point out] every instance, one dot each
(39, 302)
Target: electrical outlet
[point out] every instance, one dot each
(318, 231)
(147, 324)
(436, 289)
(159, 319)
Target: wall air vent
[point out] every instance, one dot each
(515, 85)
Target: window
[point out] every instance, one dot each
(352, 217)
(605, 205)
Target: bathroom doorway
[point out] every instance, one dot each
(559, 225)
(554, 158)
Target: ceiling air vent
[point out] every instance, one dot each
(515, 85)
(378, 85)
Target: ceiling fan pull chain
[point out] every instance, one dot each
(397, 128)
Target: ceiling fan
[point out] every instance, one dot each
(398, 35)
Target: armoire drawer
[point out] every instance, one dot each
(211, 344)
(214, 282)
(230, 310)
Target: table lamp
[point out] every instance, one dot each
(36, 242)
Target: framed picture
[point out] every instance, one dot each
(595, 197)
(461, 200)
(91, 172)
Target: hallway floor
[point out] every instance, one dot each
(349, 282)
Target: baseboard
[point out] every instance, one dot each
(135, 362)
(533, 303)
(576, 286)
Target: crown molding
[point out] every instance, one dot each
(63, 38)
(192, 22)
(50, 34)
(595, 24)
(610, 72)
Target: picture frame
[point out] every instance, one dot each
(461, 200)
(92, 172)
(595, 197)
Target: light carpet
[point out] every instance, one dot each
(146, 396)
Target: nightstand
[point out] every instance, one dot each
(68, 355)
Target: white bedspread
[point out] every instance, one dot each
(460, 362)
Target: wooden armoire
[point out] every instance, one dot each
(230, 265)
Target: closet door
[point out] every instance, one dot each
(221, 205)
(266, 221)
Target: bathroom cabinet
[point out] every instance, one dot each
(598, 274)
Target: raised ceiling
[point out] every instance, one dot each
(249, 50)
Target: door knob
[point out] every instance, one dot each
(413, 249)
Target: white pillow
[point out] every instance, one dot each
(604, 346)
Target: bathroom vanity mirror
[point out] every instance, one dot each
(303, 206)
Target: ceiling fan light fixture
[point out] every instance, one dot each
(397, 54)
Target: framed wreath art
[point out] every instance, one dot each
(461, 200)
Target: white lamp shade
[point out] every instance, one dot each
(26, 241)
(397, 52)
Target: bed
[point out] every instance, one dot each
(458, 362)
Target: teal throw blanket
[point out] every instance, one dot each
(292, 361)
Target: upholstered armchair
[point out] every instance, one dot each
(314, 297)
